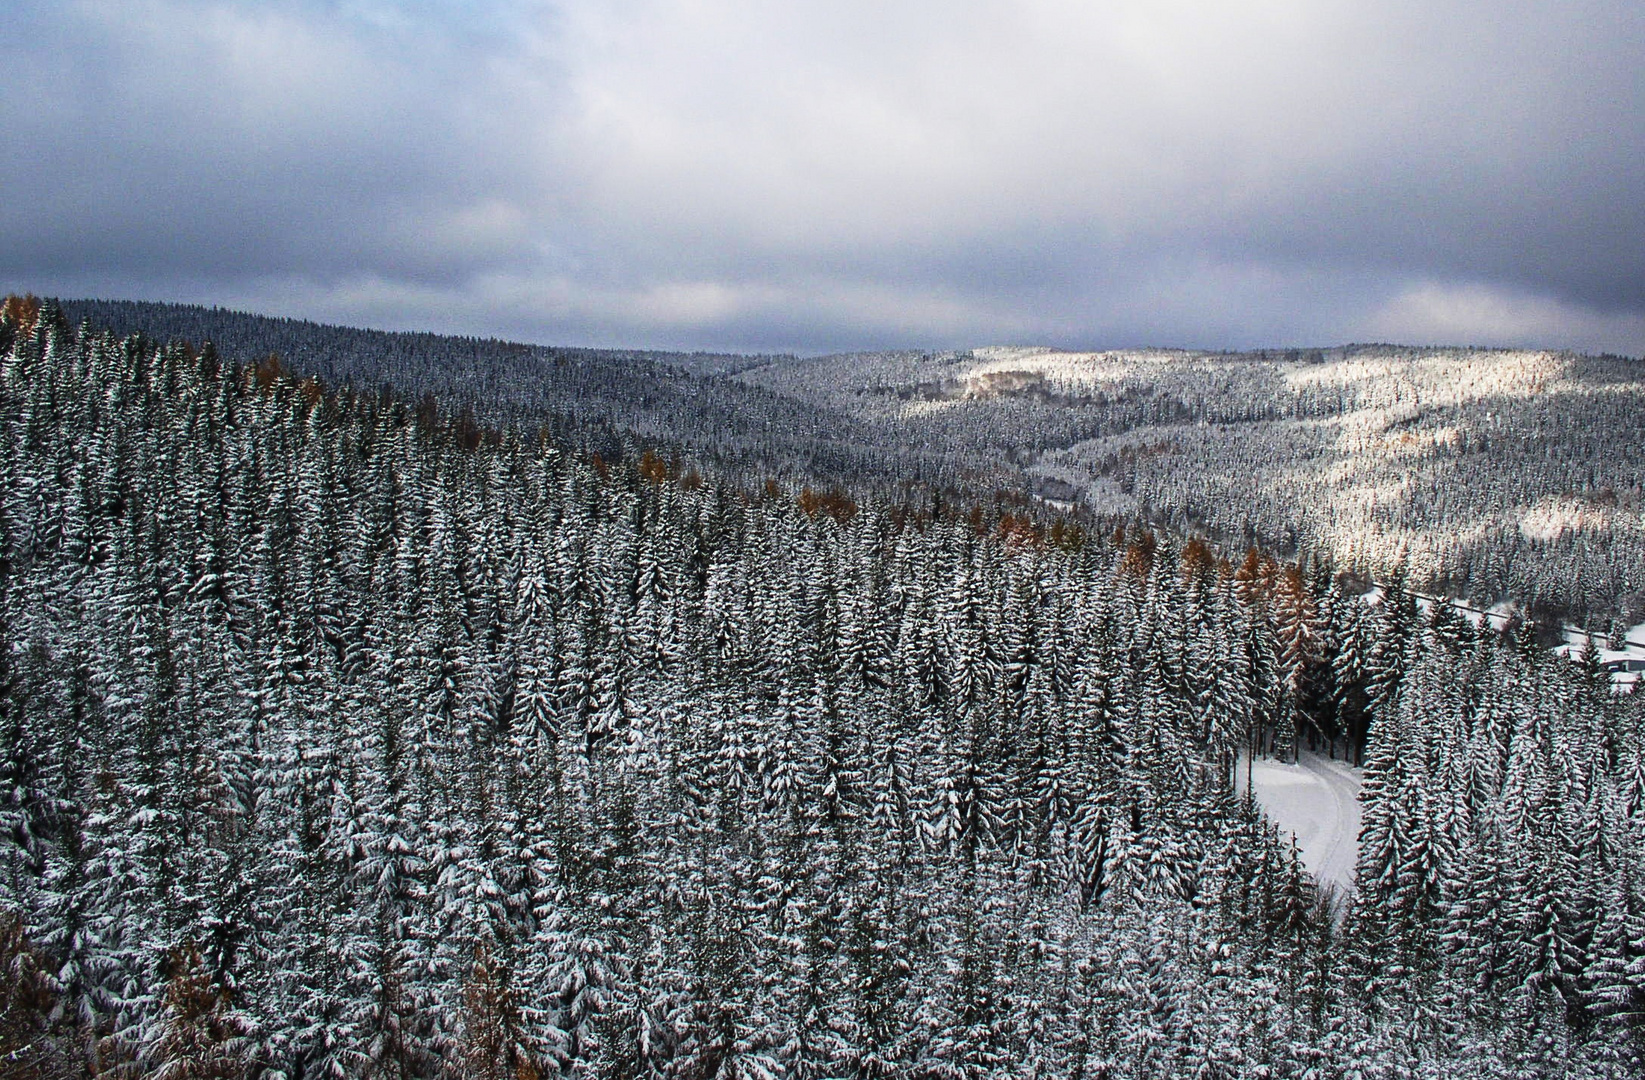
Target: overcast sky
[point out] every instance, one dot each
(824, 174)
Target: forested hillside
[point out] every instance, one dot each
(616, 403)
(1491, 475)
(339, 737)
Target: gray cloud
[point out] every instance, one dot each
(820, 175)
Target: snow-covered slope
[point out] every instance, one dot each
(1318, 802)
(1492, 475)
(1485, 474)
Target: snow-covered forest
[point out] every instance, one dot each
(610, 402)
(344, 736)
(1491, 475)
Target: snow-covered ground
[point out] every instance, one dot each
(1627, 661)
(1318, 801)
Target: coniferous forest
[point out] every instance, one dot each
(1497, 476)
(343, 737)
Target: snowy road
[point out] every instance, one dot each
(1318, 801)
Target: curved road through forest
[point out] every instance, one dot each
(1318, 801)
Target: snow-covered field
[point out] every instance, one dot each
(1317, 801)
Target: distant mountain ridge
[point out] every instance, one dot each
(1487, 474)
(608, 401)
(1493, 475)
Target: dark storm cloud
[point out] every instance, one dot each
(826, 175)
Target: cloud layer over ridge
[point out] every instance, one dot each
(810, 175)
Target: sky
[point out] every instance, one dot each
(817, 175)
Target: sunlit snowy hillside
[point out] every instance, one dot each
(1486, 474)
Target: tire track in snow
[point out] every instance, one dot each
(1317, 801)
